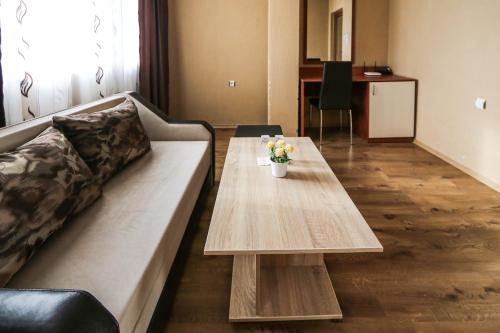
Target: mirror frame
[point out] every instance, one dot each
(306, 61)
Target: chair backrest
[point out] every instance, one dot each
(336, 87)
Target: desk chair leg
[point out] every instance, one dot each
(310, 114)
(320, 128)
(350, 123)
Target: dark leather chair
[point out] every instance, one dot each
(54, 311)
(250, 131)
(336, 92)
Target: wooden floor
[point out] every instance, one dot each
(440, 270)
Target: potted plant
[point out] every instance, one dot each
(278, 154)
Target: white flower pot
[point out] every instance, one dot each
(279, 169)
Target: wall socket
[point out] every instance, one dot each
(480, 104)
(232, 84)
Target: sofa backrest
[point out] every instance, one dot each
(16, 135)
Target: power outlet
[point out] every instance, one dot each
(232, 84)
(480, 104)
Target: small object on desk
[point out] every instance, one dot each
(264, 138)
(386, 71)
(372, 73)
(279, 136)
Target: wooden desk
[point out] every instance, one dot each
(278, 229)
(310, 82)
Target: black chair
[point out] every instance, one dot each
(336, 92)
(249, 131)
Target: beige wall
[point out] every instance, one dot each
(283, 64)
(317, 29)
(371, 32)
(210, 43)
(452, 47)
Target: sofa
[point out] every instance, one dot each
(120, 250)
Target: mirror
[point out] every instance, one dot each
(328, 30)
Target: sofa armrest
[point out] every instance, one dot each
(161, 127)
(47, 310)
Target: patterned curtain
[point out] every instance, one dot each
(153, 23)
(59, 53)
(2, 112)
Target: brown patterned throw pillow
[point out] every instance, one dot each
(107, 140)
(42, 183)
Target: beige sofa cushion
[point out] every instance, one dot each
(121, 248)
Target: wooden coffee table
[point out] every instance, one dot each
(278, 229)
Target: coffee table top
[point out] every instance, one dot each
(309, 211)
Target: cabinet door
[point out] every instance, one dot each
(392, 109)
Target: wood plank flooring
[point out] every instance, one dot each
(439, 272)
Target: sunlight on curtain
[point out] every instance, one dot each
(59, 53)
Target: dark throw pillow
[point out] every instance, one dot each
(106, 140)
(42, 183)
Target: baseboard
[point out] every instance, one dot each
(391, 140)
(470, 172)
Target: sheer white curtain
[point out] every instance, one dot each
(59, 53)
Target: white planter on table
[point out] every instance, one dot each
(279, 169)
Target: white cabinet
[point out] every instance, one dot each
(392, 109)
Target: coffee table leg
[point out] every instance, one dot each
(282, 287)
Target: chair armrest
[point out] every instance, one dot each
(161, 127)
(48, 310)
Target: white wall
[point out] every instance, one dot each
(452, 47)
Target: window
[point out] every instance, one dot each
(59, 53)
